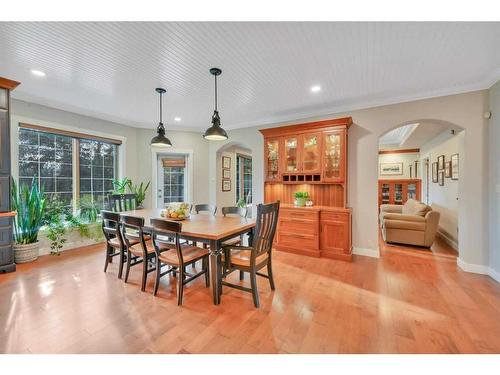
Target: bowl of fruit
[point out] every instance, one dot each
(177, 211)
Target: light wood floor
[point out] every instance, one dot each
(408, 301)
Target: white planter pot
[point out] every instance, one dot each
(26, 253)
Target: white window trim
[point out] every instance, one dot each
(155, 151)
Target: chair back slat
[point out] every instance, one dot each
(121, 202)
(169, 229)
(265, 229)
(233, 210)
(111, 226)
(133, 229)
(209, 208)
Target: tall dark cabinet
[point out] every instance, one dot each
(6, 253)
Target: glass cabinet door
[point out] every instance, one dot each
(272, 156)
(412, 191)
(333, 156)
(291, 154)
(386, 193)
(311, 153)
(398, 193)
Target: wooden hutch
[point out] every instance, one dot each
(398, 191)
(310, 157)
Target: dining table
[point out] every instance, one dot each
(207, 229)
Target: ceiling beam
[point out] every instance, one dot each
(402, 151)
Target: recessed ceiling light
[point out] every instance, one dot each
(37, 73)
(177, 119)
(316, 88)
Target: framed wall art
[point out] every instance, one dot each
(226, 185)
(447, 169)
(435, 172)
(441, 178)
(391, 169)
(454, 167)
(226, 174)
(226, 162)
(441, 162)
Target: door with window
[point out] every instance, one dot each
(244, 178)
(172, 180)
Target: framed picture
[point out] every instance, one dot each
(226, 162)
(416, 168)
(441, 178)
(391, 169)
(454, 167)
(226, 174)
(435, 172)
(447, 169)
(226, 185)
(441, 162)
(411, 176)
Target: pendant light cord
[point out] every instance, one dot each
(161, 108)
(215, 92)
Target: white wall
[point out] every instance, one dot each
(445, 199)
(494, 181)
(407, 159)
(463, 111)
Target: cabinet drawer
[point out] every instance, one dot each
(334, 216)
(298, 241)
(298, 225)
(299, 214)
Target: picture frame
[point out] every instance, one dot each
(441, 162)
(226, 174)
(226, 162)
(391, 169)
(411, 175)
(226, 185)
(441, 178)
(435, 172)
(454, 166)
(447, 169)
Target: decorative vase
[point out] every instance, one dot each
(300, 202)
(25, 253)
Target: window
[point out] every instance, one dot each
(51, 157)
(174, 179)
(244, 178)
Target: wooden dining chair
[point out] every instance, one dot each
(121, 202)
(139, 247)
(177, 257)
(208, 208)
(253, 258)
(115, 246)
(240, 212)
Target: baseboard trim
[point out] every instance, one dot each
(374, 253)
(448, 239)
(479, 269)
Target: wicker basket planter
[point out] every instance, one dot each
(26, 253)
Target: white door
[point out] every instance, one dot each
(171, 180)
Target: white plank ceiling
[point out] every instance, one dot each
(109, 70)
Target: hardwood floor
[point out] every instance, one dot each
(407, 301)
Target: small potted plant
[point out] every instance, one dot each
(29, 203)
(140, 193)
(301, 198)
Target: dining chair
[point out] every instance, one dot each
(240, 212)
(121, 202)
(139, 247)
(177, 257)
(208, 208)
(253, 258)
(115, 246)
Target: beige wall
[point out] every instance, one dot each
(406, 158)
(464, 110)
(494, 181)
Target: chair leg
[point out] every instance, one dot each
(270, 274)
(180, 286)
(129, 256)
(242, 275)
(144, 274)
(255, 292)
(157, 279)
(219, 276)
(204, 263)
(122, 259)
(108, 258)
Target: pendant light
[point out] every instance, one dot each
(215, 132)
(160, 140)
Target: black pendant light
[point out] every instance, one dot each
(215, 132)
(160, 140)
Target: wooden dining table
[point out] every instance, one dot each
(208, 229)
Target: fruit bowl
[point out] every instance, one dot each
(176, 211)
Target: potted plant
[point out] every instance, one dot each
(29, 203)
(301, 198)
(140, 193)
(121, 185)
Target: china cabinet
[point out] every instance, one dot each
(310, 157)
(398, 191)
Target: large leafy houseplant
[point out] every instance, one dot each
(120, 185)
(29, 203)
(140, 193)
